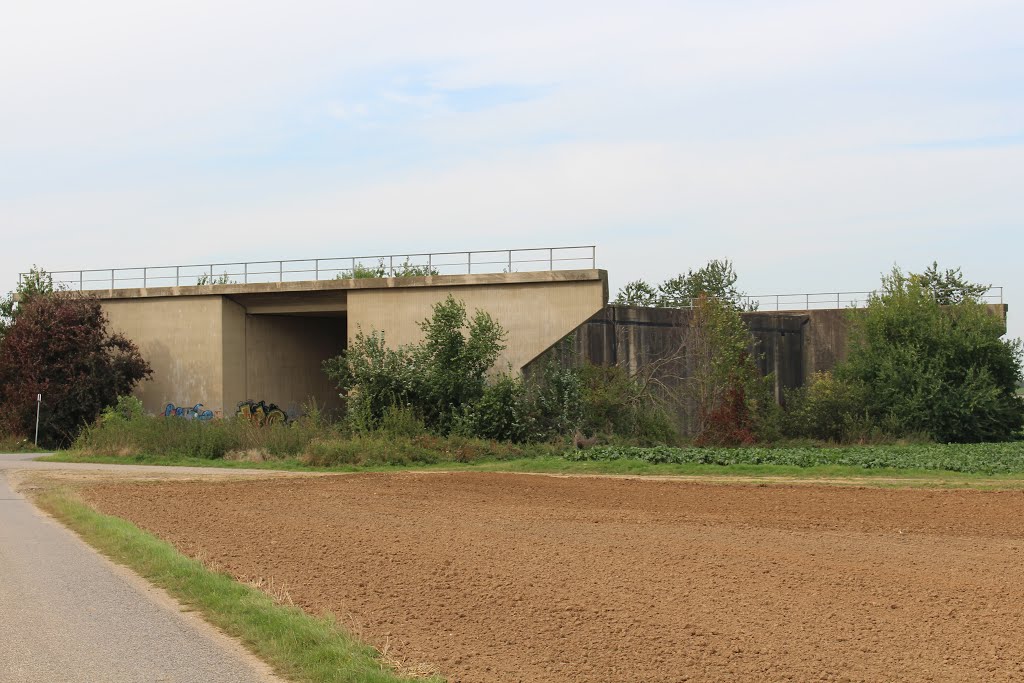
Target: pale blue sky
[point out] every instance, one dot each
(816, 144)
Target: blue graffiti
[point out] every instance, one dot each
(194, 413)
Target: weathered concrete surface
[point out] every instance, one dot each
(534, 315)
(183, 339)
(70, 615)
(634, 337)
(305, 287)
(283, 358)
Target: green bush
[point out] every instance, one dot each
(401, 421)
(438, 378)
(933, 361)
(503, 413)
(126, 408)
(827, 409)
(615, 404)
(556, 401)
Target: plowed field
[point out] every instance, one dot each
(501, 577)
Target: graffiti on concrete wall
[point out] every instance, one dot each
(261, 412)
(196, 412)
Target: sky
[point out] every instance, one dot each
(815, 144)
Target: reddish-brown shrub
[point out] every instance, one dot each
(59, 346)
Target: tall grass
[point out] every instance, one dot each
(312, 441)
(16, 444)
(192, 438)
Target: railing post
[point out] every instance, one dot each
(316, 268)
(837, 300)
(807, 301)
(245, 273)
(353, 274)
(776, 302)
(391, 266)
(280, 271)
(510, 260)
(430, 264)
(593, 257)
(111, 279)
(144, 278)
(177, 276)
(81, 281)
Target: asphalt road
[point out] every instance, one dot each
(68, 615)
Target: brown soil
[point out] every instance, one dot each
(502, 577)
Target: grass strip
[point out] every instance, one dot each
(298, 646)
(880, 476)
(290, 464)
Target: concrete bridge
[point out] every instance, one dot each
(223, 344)
(227, 342)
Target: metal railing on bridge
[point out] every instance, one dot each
(826, 300)
(297, 270)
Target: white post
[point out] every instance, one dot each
(39, 402)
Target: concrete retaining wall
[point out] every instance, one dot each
(789, 345)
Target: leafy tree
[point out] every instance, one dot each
(949, 287)
(456, 353)
(935, 364)
(59, 346)
(36, 282)
(638, 293)
(716, 279)
(436, 378)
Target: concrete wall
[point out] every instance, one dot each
(183, 340)
(233, 330)
(826, 340)
(534, 315)
(283, 357)
(789, 345)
